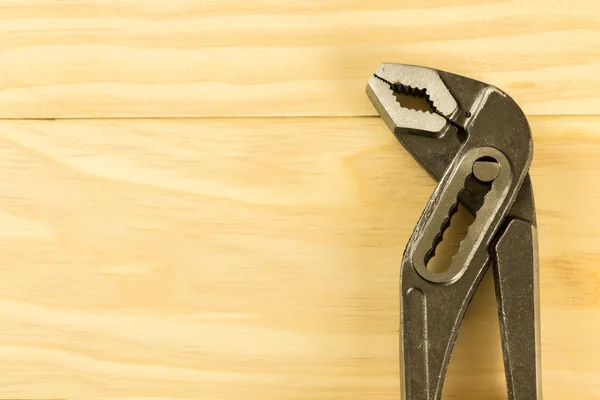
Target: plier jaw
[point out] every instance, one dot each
(476, 142)
(410, 79)
(452, 107)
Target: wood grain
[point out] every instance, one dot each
(258, 259)
(134, 58)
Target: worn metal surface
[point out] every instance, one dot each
(476, 142)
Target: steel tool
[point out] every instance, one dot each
(475, 140)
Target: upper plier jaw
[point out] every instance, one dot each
(416, 81)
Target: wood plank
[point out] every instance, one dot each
(132, 58)
(258, 258)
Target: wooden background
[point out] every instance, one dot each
(198, 202)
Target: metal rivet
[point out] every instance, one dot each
(486, 171)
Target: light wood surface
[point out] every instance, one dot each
(99, 58)
(258, 258)
(150, 257)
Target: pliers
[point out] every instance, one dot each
(475, 140)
